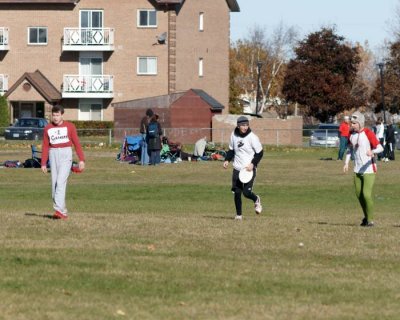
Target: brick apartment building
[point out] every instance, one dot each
(92, 54)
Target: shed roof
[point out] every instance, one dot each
(214, 104)
(165, 101)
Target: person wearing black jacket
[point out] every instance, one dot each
(390, 143)
(144, 157)
(246, 151)
(153, 137)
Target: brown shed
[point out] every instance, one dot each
(184, 116)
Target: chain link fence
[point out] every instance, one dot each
(273, 137)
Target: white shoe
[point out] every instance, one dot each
(238, 218)
(257, 205)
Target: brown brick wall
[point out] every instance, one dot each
(270, 131)
(212, 45)
(130, 42)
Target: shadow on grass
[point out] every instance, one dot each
(36, 215)
(344, 224)
(219, 217)
(334, 224)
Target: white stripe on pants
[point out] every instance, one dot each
(60, 165)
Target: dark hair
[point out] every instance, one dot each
(57, 108)
(154, 117)
(149, 113)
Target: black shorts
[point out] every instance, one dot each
(237, 184)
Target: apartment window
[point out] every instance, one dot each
(201, 71)
(201, 21)
(147, 18)
(91, 110)
(147, 65)
(91, 19)
(37, 35)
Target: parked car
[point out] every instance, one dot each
(26, 129)
(327, 135)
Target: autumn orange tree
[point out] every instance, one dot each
(322, 74)
(391, 81)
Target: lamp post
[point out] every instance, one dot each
(381, 66)
(259, 64)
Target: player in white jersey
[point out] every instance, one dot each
(246, 151)
(364, 145)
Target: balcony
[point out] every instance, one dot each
(88, 39)
(4, 39)
(88, 86)
(3, 84)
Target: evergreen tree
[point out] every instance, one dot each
(4, 114)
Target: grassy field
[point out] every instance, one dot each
(161, 242)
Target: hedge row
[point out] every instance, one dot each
(93, 128)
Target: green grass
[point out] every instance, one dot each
(160, 242)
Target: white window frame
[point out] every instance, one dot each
(146, 73)
(90, 102)
(38, 43)
(201, 67)
(201, 21)
(90, 13)
(90, 55)
(148, 25)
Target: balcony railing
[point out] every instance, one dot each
(88, 86)
(86, 39)
(4, 38)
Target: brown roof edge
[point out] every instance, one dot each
(48, 91)
(169, 1)
(41, 1)
(233, 5)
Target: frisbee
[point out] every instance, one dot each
(245, 175)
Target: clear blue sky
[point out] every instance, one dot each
(356, 20)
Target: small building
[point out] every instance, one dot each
(185, 116)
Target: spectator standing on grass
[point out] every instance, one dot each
(144, 156)
(58, 138)
(344, 133)
(390, 143)
(364, 145)
(380, 134)
(153, 136)
(246, 151)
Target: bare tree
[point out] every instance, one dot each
(272, 52)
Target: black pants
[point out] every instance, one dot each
(239, 187)
(389, 150)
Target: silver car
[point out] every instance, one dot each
(327, 135)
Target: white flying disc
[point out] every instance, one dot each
(245, 175)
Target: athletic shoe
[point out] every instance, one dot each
(370, 224)
(238, 218)
(59, 215)
(364, 222)
(257, 205)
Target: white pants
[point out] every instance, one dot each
(60, 165)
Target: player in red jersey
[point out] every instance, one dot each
(58, 138)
